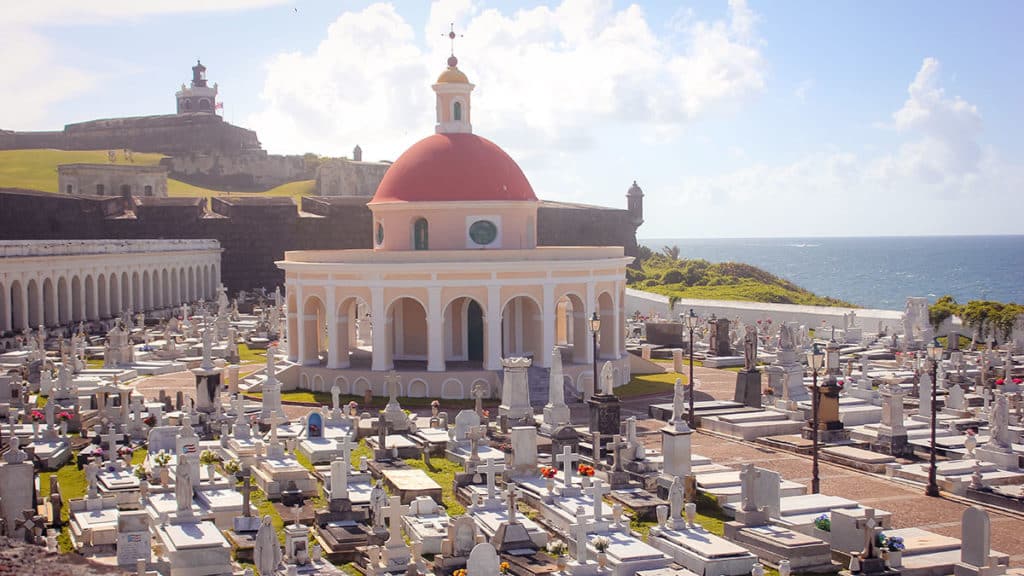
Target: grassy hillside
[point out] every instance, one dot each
(672, 276)
(37, 170)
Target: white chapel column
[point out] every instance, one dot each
(334, 342)
(588, 311)
(547, 327)
(617, 313)
(299, 338)
(381, 358)
(435, 331)
(492, 356)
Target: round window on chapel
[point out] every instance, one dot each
(483, 232)
(380, 233)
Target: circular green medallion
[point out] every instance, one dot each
(483, 232)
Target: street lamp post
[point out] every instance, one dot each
(595, 327)
(691, 324)
(934, 357)
(814, 361)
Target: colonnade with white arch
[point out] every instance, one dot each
(447, 318)
(49, 283)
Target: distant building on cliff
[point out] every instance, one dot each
(112, 180)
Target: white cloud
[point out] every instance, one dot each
(78, 12)
(939, 178)
(544, 76)
(25, 50)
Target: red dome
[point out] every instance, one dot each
(453, 167)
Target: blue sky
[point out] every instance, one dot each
(737, 118)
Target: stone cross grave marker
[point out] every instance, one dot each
(568, 459)
(491, 468)
(394, 511)
(597, 491)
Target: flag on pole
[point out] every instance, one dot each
(218, 106)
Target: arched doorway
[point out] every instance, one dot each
(407, 332)
(50, 310)
(314, 336)
(77, 304)
(5, 308)
(571, 327)
(90, 299)
(102, 299)
(114, 286)
(521, 327)
(350, 331)
(63, 301)
(35, 315)
(19, 316)
(464, 331)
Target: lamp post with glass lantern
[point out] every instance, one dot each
(595, 327)
(934, 357)
(815, 358)
(690, 320)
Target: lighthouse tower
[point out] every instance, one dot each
(198, 97)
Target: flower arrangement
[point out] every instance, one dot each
(140, 472)
(1000, 381)
(548, 472)
(585, 470)
(64, 416)
(459, 572)
(435, 404)
(209, 457)
(487, 413)
(503, 568)
(125, 451)
(601, 543)
(823, 523)
(232, 466)
(149, 421)
(768, 391)
(895, 543)
(505, 447)
(1018, 380)
(162, 458)
(557, 548)
(37, 416)
(970, 432)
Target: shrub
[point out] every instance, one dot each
(672, 277)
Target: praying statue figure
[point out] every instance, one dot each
(378, 499)
(183, 485)
(786, 341)
(676, 495)
(267, 549)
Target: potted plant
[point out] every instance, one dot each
(233, 467)
(893, 547)
(125, 453)
(503, 568)
(601, 544)
(209, 458)
(586, 472)
(36, 417)
(161, 460)
(548, 474)
(557, 549)
(64, 417)
(140, 472)
(822, 527)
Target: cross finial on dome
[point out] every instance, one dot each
(452, 60)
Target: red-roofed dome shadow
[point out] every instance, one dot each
(453, 168)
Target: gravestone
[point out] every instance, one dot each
(483, 561)
(556, 412)
(524, 450)
(892, 432)
(132, 538)
(748, 380)
(975, 546)
(515, 392)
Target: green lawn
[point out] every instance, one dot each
(37, 170)
(645, 384)
(247, 355)
(442, 471)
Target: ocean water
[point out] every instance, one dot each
(878, 272)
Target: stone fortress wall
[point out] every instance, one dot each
(255, 232)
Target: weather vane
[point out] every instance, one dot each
(451, 37)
